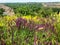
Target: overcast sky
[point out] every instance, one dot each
(5, 1)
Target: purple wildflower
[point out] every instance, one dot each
(20, 21)
(40, 26)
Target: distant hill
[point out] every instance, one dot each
(45, 4)
(51, 4)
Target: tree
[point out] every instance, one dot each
(1, 11)
(46, 12)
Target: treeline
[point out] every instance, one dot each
(25, 8)
(32, 9)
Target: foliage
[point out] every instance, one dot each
(1, 11)
(31, 25)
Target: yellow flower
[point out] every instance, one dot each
(27, 17)
(35, 19)
(10, 18)
(1, 23)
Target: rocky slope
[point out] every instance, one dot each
(8, 10)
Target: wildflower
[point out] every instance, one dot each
(27, 17)
(1, 24)
(20, 21)
(10, 18)
(39, 27)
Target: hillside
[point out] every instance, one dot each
(8, 10)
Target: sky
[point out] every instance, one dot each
(5, 1)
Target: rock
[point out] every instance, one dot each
(8, 10)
